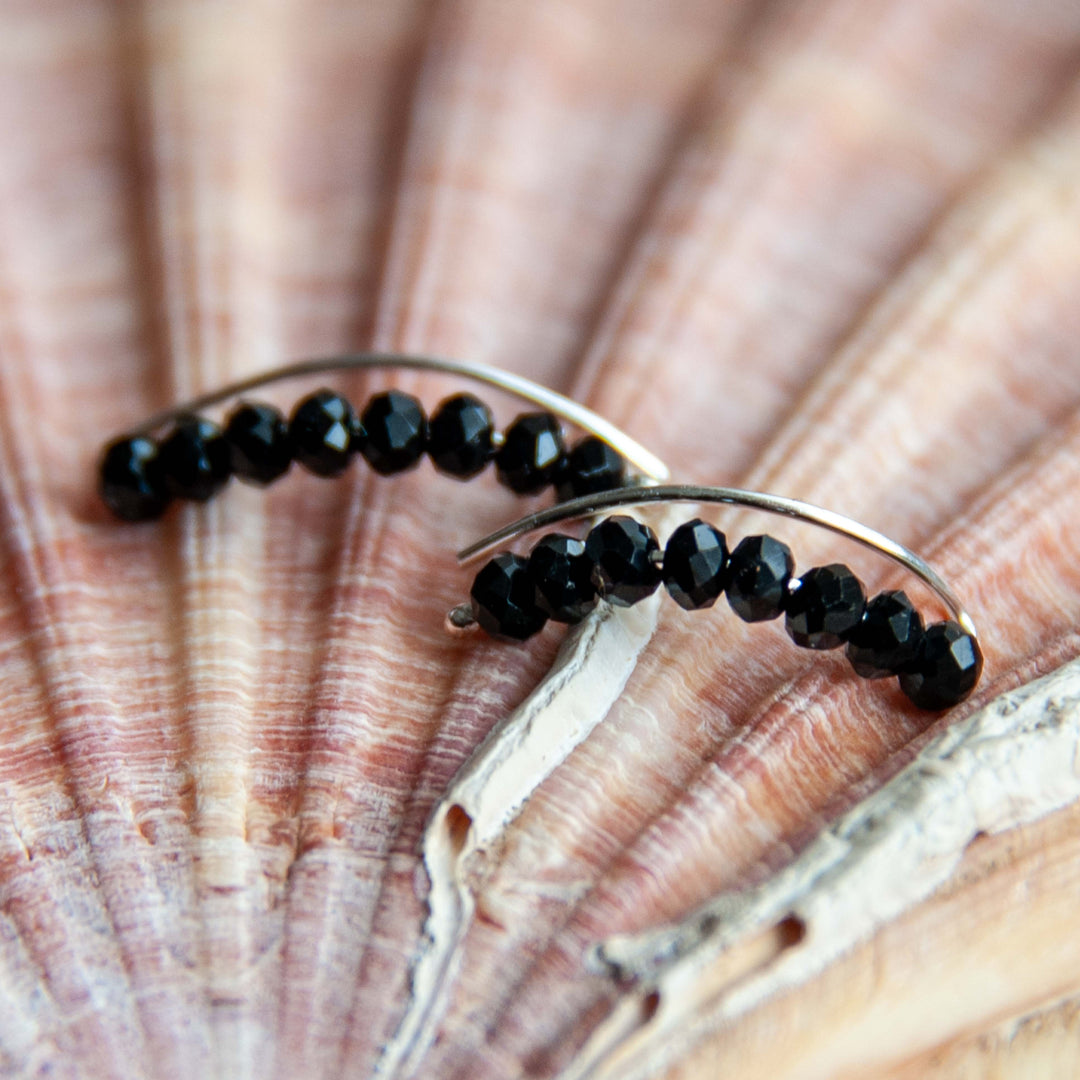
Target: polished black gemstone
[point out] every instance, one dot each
(759, 570)
(565, 590)
(394, 432)
(356, 431)
(946, 669)
(321, 430)
(591, 466)
(259, 445)
(132, 482)
(824, 607)
(695, 564)
(460, 436)
(504, 599)
(532, 453)
(625, 556)
(195, 458)
(886, 641)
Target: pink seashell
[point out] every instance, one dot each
(249, 824)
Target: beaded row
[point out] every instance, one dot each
(140, 476)
(620, 561)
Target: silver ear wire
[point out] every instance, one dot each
(144, 470)
(826, 607)
(781, 505)
(649, 465)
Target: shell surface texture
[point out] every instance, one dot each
(261, 816)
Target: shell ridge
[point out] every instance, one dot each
(370, 552)
(637, 356)
(147, 239)
(218, 725)
(367, 530)
(994, 216)
(293, 1015)
(397, 247)
(217, 595)
(705, 104)
(18, 475)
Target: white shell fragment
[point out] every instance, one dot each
(1007, 765)
(588, 675)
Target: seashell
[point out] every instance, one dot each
(259, 815)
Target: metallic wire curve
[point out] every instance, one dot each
(756, 500)
(570, 411)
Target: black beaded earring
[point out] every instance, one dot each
(621, 561)
(194, 458)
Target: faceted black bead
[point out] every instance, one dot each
(321, 430)
(395, 432)
(532, 453)
(825, 607)
(195, 458)
(946, 669)
(624, 555)
(591, 466)
(695, 565)
(356, 431)
(460, 436)
(504, 599)
(565, 590)
(259, 445)
(759, 570)
(887, 639)
(132, 481)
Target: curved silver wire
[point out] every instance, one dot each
(756, 500)
(570, 411)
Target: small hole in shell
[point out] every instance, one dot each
(650, 1005)
(751, 955)
(458, 824)
(790, 931)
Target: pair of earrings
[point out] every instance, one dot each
(182, 455)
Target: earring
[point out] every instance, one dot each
(621, 561)
(194, 458)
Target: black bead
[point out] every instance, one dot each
(887, 639)
(321, 430)
(504, 599)
(132, 482)
(195, 458)
(356, 431)
(591, 466)
(394, 432)
(460, 436)
(565, 590)
(827, 604)
(259, 445)
(759, 570)
(695, 565)
(532, 453)
(946, 669)
(624, 554)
